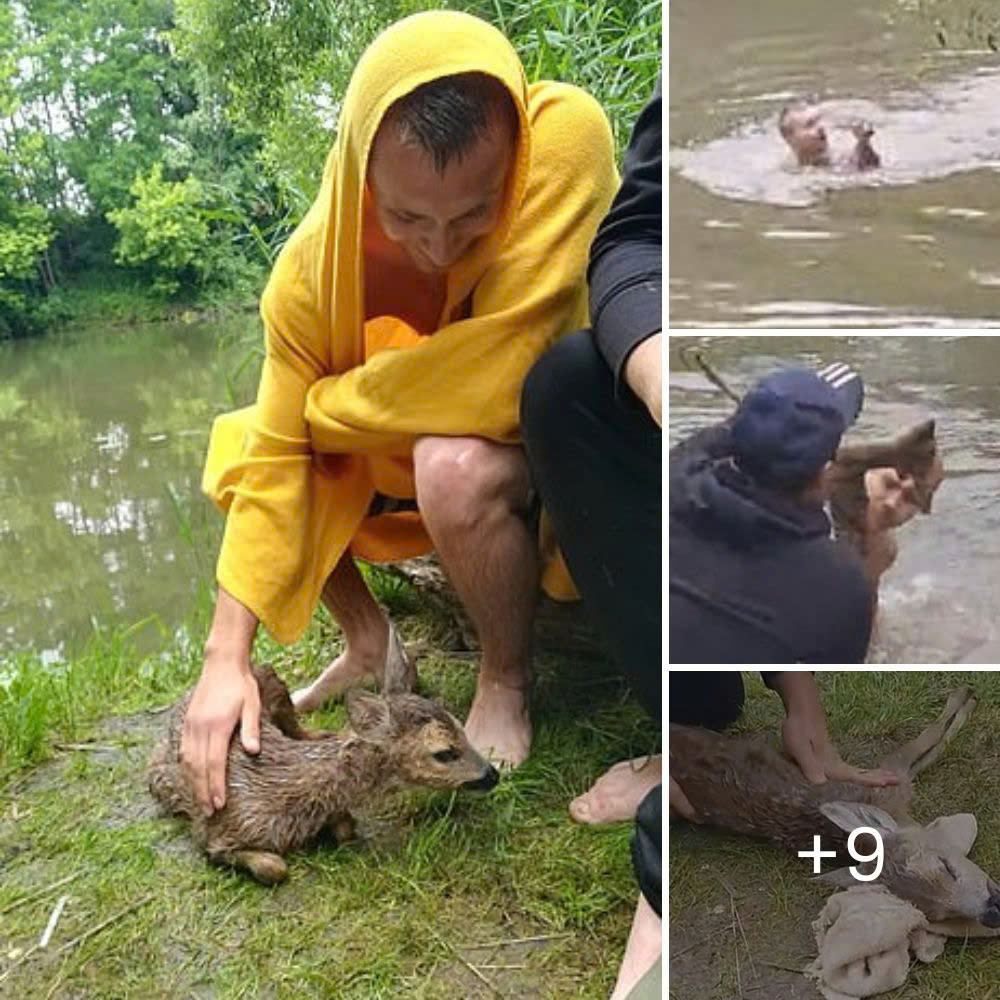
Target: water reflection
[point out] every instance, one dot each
(101, 515)
(939, 601)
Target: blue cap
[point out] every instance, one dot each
(788, 426)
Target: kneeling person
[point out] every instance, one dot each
(399, 327)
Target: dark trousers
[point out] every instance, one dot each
(598, 467)
(647, 848)
(709, 698)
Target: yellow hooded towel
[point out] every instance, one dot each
(343, 397)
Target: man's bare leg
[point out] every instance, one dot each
(616, 794)
(366, 636)
(642, 950)
(473, 496)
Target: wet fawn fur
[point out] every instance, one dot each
(306, 783)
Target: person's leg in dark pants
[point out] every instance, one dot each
(597, 464)
(709, 698)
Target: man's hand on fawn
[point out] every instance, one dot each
(225, 696)
(679, 804)
(807, 743)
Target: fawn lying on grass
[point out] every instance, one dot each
(304, 783)
(744, 786)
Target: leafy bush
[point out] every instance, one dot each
(25, 233)
(165, 231)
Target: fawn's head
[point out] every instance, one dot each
(426, 744)
(926, 866)
(919, 459)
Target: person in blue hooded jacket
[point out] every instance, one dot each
(755, 576)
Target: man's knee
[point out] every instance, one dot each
(570, 371)
(464, 482)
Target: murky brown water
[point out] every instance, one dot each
(940, 601)
(101, 516)
(755, 241)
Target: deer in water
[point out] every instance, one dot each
(743, 786)
(303, 783)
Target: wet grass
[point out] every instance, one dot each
(446, 896)
(740, 910)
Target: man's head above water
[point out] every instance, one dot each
(803, 128)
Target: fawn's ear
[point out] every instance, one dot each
(957, 833)
(399, 675)
(849, 815)
(918, 436)
(369, 715)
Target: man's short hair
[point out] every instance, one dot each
(446, 117)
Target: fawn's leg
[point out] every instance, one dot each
(921, 752)
(264, 866)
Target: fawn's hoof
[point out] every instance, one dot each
(263, 865)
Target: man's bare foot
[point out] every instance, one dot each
(616, 794)
(356, 665)
(499, 725)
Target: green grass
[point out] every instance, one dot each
(751, 903)
(436, 878)
(611, 49)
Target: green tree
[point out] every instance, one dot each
(92, 96)
(25, 228)
(165, 230)
(25, 234)
(99, 82)
(88, 93)
(277, 71)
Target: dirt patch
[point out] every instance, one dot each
(742, 939)
(118, 750)
(520, 965)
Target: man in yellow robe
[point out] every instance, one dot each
(445, 251)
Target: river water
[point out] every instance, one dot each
(102, 521)
(757, 241)
(940, 601)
